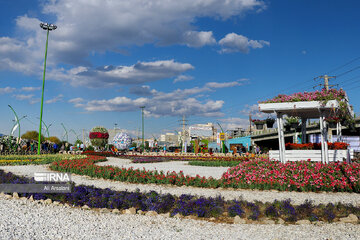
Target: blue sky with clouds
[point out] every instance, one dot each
(208, 60)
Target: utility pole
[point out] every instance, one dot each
(142, 116)
(83, 136)
(326, 81)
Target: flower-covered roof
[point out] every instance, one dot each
(324, 95)
(307, 104)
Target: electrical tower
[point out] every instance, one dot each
(142, 117)
(184, 134)
(250, 121)
(326, 81)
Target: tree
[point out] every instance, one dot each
(78, 141)
(32, 135)
(54, 140)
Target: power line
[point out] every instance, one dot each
(337, 68)
(349, 71)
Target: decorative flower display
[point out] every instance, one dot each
(296, 176)
(186, 204)
(122, 141)
(99, 136)
(258, 121)
(259, 173)
(94, 135)
(316, 146)
(324, 95)
(332, 119)
(292, 120)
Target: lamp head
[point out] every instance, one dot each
(47, 26)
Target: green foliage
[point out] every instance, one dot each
(54, 140)
(9, 160)
(78, 141)
(291, 120)
(90, 148)
(98, 142)
(32, 135)
(99, 129)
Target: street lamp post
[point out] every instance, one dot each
(48, 28)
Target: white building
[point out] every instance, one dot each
(170, 138)
(202, 131)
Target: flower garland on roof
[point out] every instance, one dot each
(323, 95)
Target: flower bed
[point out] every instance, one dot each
(104, 154)
(188, 205)
(150, 160)
(34, 159)
(186, 158)
(316, 146)
(254, 174)
(295, 176)
(215, 163)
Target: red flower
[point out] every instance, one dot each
(94, 135)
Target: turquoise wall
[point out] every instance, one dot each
(240, 140)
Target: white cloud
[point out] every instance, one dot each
(156, 108)
(30, 89)
(78, 102)
(254, 111)
(85, 28)
(225, 84)
(34, 100)
(55, 99)
(7, 90)
(233, 123)
(137, 22)
(303, 52)
(175, 103)
(233, 42)
(108, 76)
(198, 39)
(23, 96)
(142, 90)
(183, 78)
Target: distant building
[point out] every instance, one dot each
(170, 138)
(206, 131)
(238, 132)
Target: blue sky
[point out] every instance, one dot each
(209, 60)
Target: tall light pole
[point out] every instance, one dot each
(142, 116)
(48, 28)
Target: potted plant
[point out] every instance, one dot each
(270, 122)
(259, 123)
(293, 121)
(332, 121)
(287, 127)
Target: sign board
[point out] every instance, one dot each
(222, 136)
